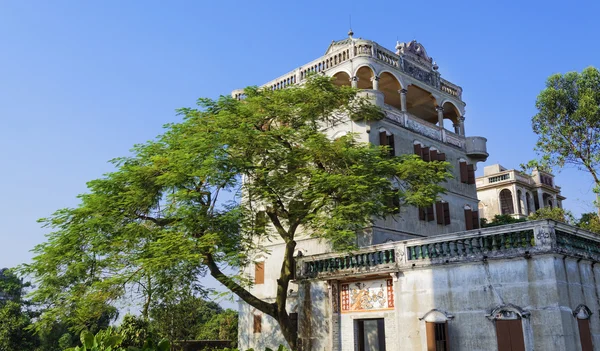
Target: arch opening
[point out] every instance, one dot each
(421, 103)
(451, 113)
(506, 202)
(390, 87)
(341, 79)
(365, 75)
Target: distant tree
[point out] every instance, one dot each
(501, 220)
(222, 326)
(555, 213)
(568, 123)
(165, 216)
(15, 315)
(589, 221)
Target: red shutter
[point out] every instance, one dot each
(469, 219)
(471, 175)
(430, 331)
(475, 215)
(259, 273)
(391, 145)
(425, 154)
(441, 157)
(446, 207)
(383, 140)
(433, 155)
(257, 323)
(430, 215)
(464, 176)
(418, 149)
(439, 210)
(584, 334)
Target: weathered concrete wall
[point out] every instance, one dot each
(547, 287)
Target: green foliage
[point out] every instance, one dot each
(501, 220)
(222, 326)
(171, 212)
(589, 221)
(555, 213)
(14, 328)
(134, 330)
(568, 122)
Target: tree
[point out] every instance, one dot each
(222, 326)
(555, 214)
(568, 122)
(589, 221)
(186, 203)
(15, 315)
(501, 220)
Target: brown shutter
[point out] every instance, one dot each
(469, 219)
(464, 176)
(430, 215)
(259, 273)
(517, 342)
(446, 207)
(383, 140)
(257, 323)
(441, 157)
(475, 215)
(418, 149)
(503, 335)
(439, 210)
(430, 331)
(584, 334)
(433, 155)
(471, 175)
(425, 154)
(391, 145)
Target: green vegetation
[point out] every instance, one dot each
(171, 212)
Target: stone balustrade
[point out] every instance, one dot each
(509, 241)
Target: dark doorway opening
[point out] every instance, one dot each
(370, 334)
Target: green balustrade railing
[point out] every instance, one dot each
(351, 261)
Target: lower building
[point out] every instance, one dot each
(528, 286)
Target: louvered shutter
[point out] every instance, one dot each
(464, 176)
(433, 155)
(469, 219)
(383, 140)
(259, 273)
(475, 215)
(471, 174)
(430, 331)
(585, 335)
(391, 145)
(418, 149)
(446, 207)
(425, 154)
(441, 157)
(430, 215)
(439, 209)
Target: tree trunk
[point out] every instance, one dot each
(289, 331)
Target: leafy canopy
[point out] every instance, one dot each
(187, 203)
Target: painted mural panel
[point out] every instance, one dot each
(370, 295)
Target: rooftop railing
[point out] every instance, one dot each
(509, 241)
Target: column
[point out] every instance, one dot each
(440, 111)
(354, 82)
(456, 128)
(375, 81)
(540, 194)
(461, 122)
(403, 99)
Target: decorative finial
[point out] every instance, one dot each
(350, 33)
(435, 66)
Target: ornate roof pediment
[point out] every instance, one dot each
(415, 51)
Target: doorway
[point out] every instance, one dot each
(370, 334)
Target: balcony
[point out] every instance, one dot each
(503, 242)
(476, 148)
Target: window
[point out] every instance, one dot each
(257, 323)
(437, 336)
(426, 213)
(506, 202)
(386, 139)
(471, 219)
(370, 334)
(442, 210)
(425, 154)
(428, 154)
(510, 335)
(467, 173)
(259, 273)
(585, 335)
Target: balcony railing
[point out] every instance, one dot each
(509, 241)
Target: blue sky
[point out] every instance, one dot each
(82, 81)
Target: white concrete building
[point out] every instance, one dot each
(502, 191)
(428, 278)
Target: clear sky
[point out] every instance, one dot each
(82, 81)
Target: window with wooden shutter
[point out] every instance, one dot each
(391, 145)
(441, 157)
(510, 335)
(417, 148)
(433, 155)
(437, 336)
(468, 219)
(475, 215)
(442, 210)
(259, 273)
(257, 323)
(471, 174)
(425, 154)
(426, 213)
(387, 140)
(383, 140)
(585, 335)
(464, 174)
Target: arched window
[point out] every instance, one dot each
(436, 329)
(509, 327)
(582, 313)
(506, 202)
